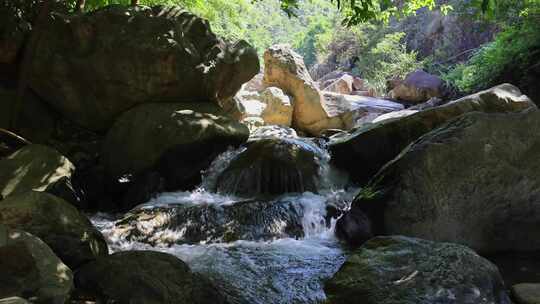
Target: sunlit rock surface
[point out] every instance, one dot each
(33, 167)
(365, 150)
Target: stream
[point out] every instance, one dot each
(274, 264)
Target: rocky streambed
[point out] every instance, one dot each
(171, 177)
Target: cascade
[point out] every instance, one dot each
(267, 249)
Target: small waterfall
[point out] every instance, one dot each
(270, 250)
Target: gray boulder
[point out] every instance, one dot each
(396, 269)
(365, 150)
(92, 67)
(474, 181)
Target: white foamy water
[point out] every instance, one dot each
(285, 270)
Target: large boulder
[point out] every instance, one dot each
(365, 150)
(30, 269)
(418, 87)
(474, 181)
(178, 140)
(33, 167)
(92, 67)
(252, 220)
(272, 166)
(144, 277)
(286, 70)
(60, 225)
(404, 270)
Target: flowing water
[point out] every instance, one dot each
(285, 269)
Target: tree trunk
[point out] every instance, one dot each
(33, 41)
(134, 2)
(80, 6)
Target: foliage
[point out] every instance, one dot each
(515, 48)
(373, 51)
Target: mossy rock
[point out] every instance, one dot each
(396, 269)
(60, 225)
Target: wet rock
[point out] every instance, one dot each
(407, 270)
(354, 228)
(368, 148)
(526, 293)
(92, 67)
(144, 277)
(211, 223)
(272, 132)
(68, 232)
(272, 166)
(474, 181)
(30, 269)
(418, 87)
(176, 140)
(285, 69)
(33, 167)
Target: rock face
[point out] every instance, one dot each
(367, 149)
(418, 87)
(33, 167)
(285, 69)
(145, 277)
(474, 181)
(68, 232)
(178, 140)
(413, 271)
(30, 269)
(211, 223)
(95, 66)
(272, 166)
(526, 293)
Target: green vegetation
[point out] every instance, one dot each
(515, 48)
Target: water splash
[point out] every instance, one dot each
(285, 270)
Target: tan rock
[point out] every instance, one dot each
(342, 85)
(286, 70)
(278, 109)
